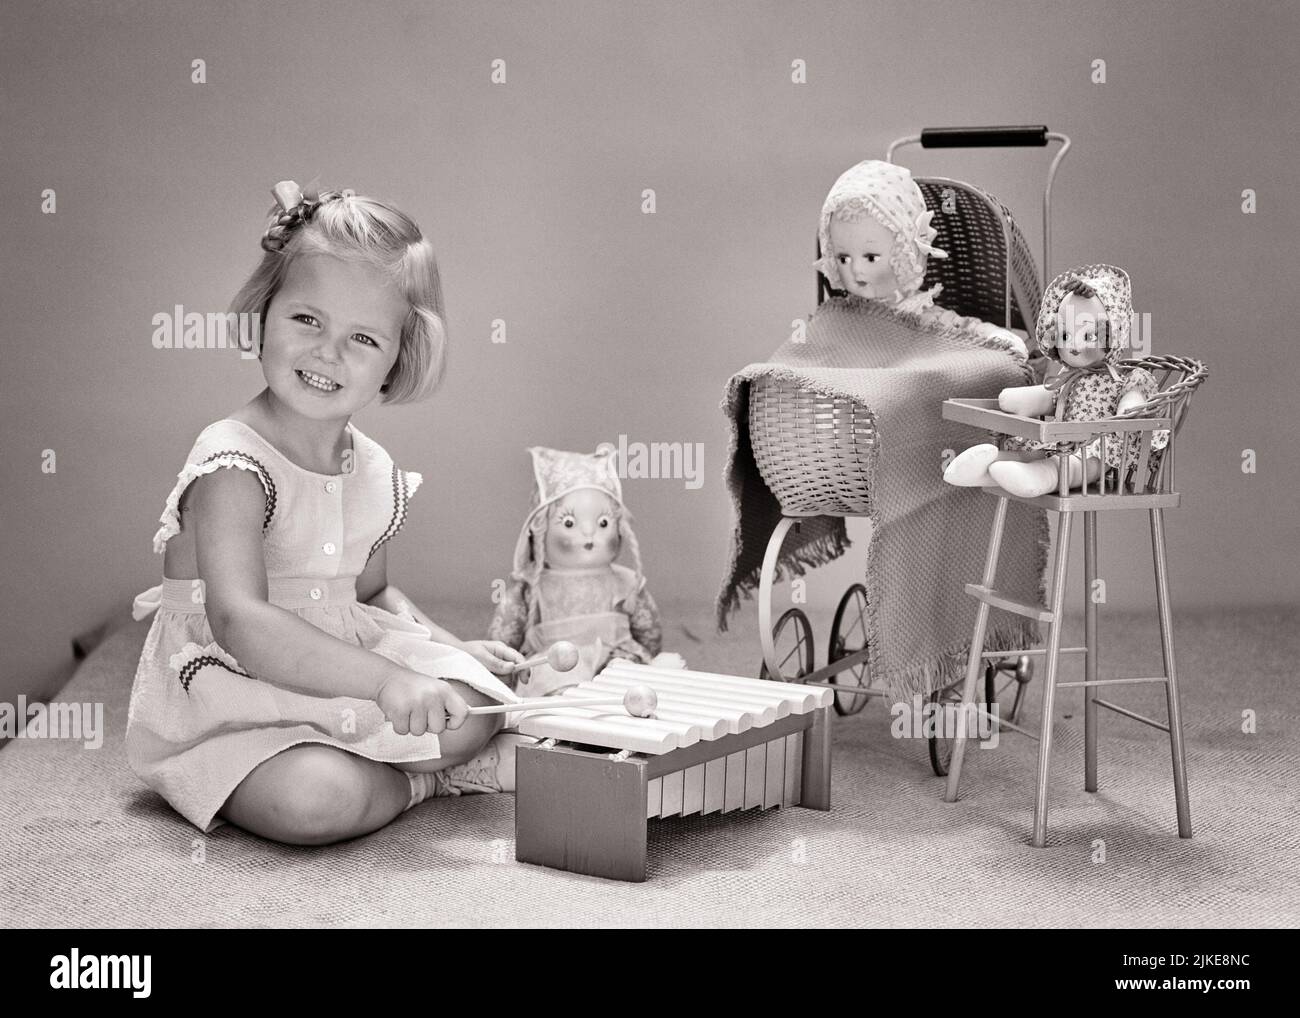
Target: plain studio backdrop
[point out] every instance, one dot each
(617, 322)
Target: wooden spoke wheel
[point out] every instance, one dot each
(849, 635)
(940, 740)
(1021, 671)
(792, 639)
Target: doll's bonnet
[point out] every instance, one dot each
(887, 193)
(557, 473)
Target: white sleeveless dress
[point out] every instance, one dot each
(198, 722)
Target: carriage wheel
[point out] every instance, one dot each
(793, 638)
(849, 635)
(1021, 674)
(939, 744)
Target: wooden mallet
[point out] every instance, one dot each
(639, 701)
(562, 656)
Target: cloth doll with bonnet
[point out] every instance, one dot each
(1084, 323)
(876, 238)
(565, 584)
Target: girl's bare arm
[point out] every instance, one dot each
(226, 509)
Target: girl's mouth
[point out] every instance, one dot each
(318, 382)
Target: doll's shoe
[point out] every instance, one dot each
(493, 770)
(970, 469)
(668, 659)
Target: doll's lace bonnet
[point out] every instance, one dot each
(888, 194)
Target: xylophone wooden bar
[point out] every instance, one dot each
(584, 796)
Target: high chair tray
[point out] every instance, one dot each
(984, 413)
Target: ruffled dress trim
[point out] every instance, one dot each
(405, 484)
(171, 520)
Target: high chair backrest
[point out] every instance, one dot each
(1152, 470)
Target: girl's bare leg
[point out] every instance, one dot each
(316, 795)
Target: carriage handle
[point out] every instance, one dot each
(1029, 135)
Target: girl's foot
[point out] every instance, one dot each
(1027, 480)
(970, 469)
(493, 770)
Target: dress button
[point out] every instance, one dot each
(315, 593)
(328, 547)
(330, 486)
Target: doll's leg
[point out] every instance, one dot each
(1040, 476)
(970, 469)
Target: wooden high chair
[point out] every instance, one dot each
(1144, 481)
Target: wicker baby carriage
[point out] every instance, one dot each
(811, 449)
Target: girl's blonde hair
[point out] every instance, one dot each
(356, 227)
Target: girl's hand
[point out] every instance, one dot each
(416, 703)
(497, 657)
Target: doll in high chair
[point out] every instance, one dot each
(876, 240)
(1084, 323)
(566, 585)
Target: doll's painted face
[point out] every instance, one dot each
(331, 336)
(862, 252)
(1081, 331)
(582, 530)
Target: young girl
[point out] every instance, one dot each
(876, 237)
(285, 685)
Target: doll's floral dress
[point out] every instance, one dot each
(198, 721)
(1095, 397)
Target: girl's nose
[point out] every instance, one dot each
(329, 349)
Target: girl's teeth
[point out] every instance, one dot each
(317, 381)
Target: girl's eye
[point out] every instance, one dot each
(311, 320)
(842, 258)
(871, 259)
(367, 339)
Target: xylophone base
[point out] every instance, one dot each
(586, 811)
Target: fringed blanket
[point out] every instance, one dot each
(928, 538)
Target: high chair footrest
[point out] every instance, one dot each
(997, 599)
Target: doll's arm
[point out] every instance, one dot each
(510, 619)
(1027, 400)
(1139, 386)
(643, 620)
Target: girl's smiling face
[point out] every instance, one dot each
(862, 252)
(332, 335)
(582, 530)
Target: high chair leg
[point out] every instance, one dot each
(1090, 663)
(1171, 687)
(974, 662)
(1052, 657)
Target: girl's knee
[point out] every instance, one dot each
(460, 745)
(309, 795)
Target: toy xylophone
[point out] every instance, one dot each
(717, 743)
